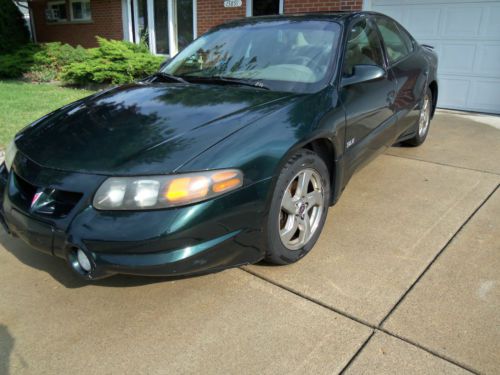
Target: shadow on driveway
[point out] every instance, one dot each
(59, 270)
(6, 347)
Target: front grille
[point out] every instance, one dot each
(48, 202)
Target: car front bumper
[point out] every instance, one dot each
(200, 238)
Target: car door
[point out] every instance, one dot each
(370, 118)
(409, 68)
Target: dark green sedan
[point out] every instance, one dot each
(231, 154)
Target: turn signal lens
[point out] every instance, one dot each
(223, 186)
(155, 192)
(224, 176)
(226, 180)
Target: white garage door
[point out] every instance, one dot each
(466, 37)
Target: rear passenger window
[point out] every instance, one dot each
(408, 40)
(363, 47)
(397, 43)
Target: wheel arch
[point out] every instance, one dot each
(327, 151)
(434, 91)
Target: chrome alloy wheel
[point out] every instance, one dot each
(301, 209)
(425, 117)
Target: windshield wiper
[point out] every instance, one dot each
(169, 77)
(227, 80)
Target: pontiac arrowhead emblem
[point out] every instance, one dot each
(42, 201)
(35, 199)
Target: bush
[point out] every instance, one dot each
(40, 63)
(15, 64)
(113, 62)
(56, 55)
(13, 29)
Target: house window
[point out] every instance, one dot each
(56, 11)
(264, 7)
(185, 26)
(80, 10)
(165, 25)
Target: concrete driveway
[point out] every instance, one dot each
(404, 279)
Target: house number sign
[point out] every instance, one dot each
(232, 3)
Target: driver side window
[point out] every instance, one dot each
(363, 47)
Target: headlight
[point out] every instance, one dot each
(10, 154)
(154, 192)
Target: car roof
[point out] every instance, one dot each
(338, 16)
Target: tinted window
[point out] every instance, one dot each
(284, 55)
(363, 47)
(397, 43)
(407, 39)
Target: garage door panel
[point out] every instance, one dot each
(453, 92)
(488, 60)
(491, 24)
(485, 94)
(457, 58)
(462, 21)
(465, 35)
(377, 3)
(423, 21)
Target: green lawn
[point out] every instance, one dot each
(21, 103)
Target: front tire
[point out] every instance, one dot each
(298, 208)
(424, 121)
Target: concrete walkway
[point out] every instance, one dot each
(404, 279)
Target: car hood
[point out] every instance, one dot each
(143, 128)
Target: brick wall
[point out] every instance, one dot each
(303, 6)
(212, 13)
(106, 22)
(107, 18)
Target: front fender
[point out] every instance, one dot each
(261, 149)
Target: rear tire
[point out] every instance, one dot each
(298, 208)
(424, 121)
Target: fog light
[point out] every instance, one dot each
(83, 261)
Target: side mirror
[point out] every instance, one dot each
(363, 73)
(165, 63)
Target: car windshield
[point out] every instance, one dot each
(284, 55)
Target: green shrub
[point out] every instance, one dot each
(40, 63)
(15, 64)
(56, 55)
(13, 29)
(113, 62)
